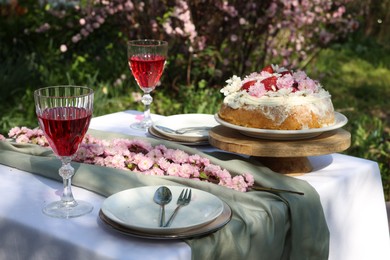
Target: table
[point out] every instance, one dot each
(350, 190)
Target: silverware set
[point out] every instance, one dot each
(163, 196)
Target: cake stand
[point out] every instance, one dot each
(283, 156)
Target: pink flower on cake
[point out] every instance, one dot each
(265, 74)
(285, 82)
(299, 75)
(307, 84)
(257, 90)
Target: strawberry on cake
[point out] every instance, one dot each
(276, 98)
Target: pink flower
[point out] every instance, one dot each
(155, 154)
(2, 138)
(22, 139)
(140, 156)
(115, 161)
(14, 132)
(156, 171)
(239, 183)
(99, 161)
(179, 156)
(82, 154)
(212, 168)
(249, 179)
(307, 84)
(257, 90)
(299, 75)
(187, 170)
(42, 141)
(163, 163)
(173, 169)
(145, 163)
(285, 82)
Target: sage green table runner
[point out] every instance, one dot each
(264, 225)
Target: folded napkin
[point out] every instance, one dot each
(264, 225)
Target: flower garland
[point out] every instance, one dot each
(140, 156)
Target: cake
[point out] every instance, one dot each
(276, 98)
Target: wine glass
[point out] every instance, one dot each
(146, 60)
(64, 114)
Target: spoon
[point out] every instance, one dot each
(162, 196)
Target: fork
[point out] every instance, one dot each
(183, 200)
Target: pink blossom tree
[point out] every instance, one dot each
(209, 39)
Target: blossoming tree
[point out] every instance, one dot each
(222, 36)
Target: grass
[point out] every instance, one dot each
(358, 77)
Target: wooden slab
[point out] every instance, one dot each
(288, 157)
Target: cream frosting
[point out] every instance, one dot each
(288, 93)
(291, 88)
(242, 98)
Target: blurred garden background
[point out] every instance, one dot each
(345, 44)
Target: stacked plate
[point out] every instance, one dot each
(188, 129)
(134, 212)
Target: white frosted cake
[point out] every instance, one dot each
(276, 98)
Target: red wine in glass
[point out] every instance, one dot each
(64, 114)
(146, 60)
(64, 128)
(147, 69)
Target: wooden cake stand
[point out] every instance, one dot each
(283, 156)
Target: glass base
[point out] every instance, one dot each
(58, 209)
(141, 125)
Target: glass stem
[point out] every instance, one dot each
(67, 172)
(147, 99)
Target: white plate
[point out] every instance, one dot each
(203, 230)
(156, 134)
(135, 208)
(340, 121)
(176, 122)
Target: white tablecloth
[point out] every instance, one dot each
(26, 233)
(350, 189)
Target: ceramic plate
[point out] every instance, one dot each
(180, 121)
(340, 121)
(135, 209)
(211, 227)
(156, 134)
